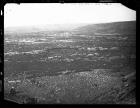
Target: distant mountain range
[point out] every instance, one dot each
(49, 27)
(127, 27)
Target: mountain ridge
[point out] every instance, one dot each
(125, 27)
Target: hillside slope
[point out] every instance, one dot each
(127, 27)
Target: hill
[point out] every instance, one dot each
(127, 27)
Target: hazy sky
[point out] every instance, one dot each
(55, 13)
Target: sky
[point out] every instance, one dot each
(55, 13)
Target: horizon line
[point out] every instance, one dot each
(68, 24)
